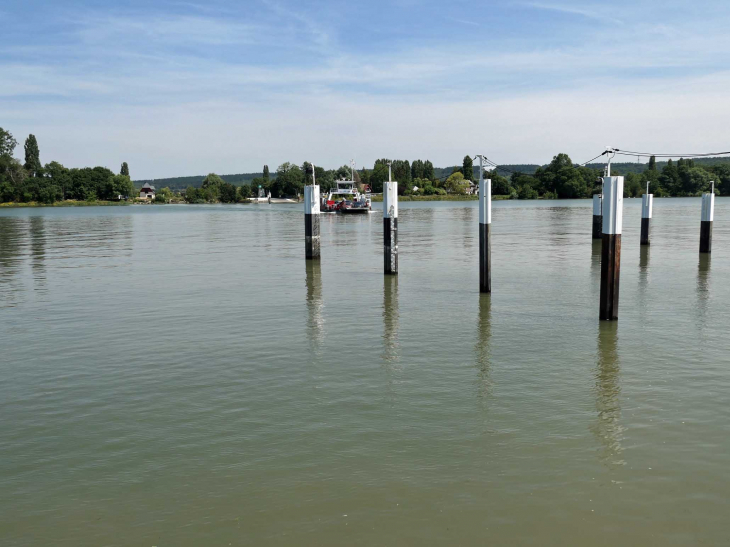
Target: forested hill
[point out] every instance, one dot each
(180, 183)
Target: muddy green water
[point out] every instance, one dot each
(179, 376)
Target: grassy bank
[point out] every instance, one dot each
(448, 197)
(67, 203)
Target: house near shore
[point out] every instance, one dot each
(147, 191)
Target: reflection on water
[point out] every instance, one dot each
(315, 305)
(38, 248)
(390, 318)
(644, 253)
(703, 288)
(596, 247)
(482, 349)
(164, 380)
(607, 427)
(10, 259)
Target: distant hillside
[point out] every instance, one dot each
(617, 168)
(180, 183)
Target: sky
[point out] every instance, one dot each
(187, 87)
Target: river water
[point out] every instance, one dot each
(179, 375)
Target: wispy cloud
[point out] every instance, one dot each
(134, 79)
(165, 29)
(604, 14)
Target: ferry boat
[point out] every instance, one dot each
(347, 200)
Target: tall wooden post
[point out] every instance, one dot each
(708, 215)
(311, 222)
(613, 192)
(390, 226)
(485, 231)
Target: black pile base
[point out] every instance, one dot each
(610, 273)
(645, 231)
(597, 226)
(485, 258)
(311, 236)
(706, 236)
(390, 245)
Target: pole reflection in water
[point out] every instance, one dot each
(10, 260)
(607, 427)
(644, 251)
(482, 349)
(390, 319)
(703, 288)
(596, 256)
(315, 304)
(38, 248)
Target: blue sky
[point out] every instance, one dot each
(187, 87)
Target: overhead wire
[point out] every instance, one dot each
(667, 155)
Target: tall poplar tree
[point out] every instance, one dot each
(125, 169)
(32, 156)
(428, 173)
(468, 168)
(266, 172)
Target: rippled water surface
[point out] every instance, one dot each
(178, 375)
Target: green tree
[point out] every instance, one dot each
(32, 157)
(165, 193)
(59, 176)
(564, 179)
(192, 195)
(694, 180)
(428, 172)
(652, 163)
(722, 177)
(244, 192)
(343, 173)
(211, 187)
(402, 174)
(378, 176)
(364, 176)
(632, 185)
(467, 168)
(7, 143)
(227, 193)
(500, 185)
(124, 170)
(417, 170)
(289, 180)
(266, 172)
(456, 183)
(669, 179)
(114, 186)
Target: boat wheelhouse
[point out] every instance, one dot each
(346, 199)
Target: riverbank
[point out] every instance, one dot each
(66, 203)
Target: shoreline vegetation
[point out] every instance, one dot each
(31, 184)
(66, 203)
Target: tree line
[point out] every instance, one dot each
(561, 178)
(30, 181)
